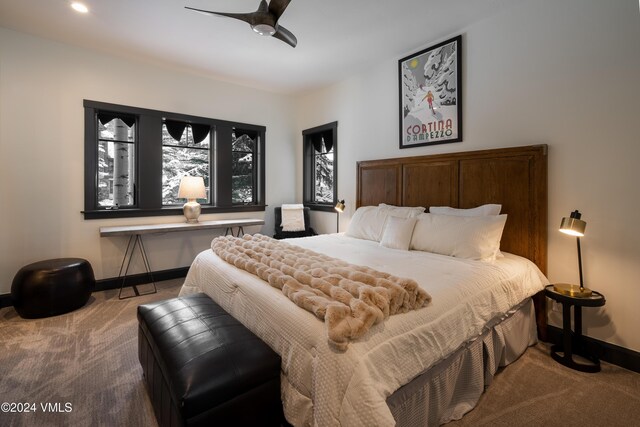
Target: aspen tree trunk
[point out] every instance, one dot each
(121, 178)
(104, 190)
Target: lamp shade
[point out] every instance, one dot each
(573, 225)
(340, 206)
(192, 187)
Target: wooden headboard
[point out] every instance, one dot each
(515, 177)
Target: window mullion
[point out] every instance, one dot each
(223, 168)
(150, 163)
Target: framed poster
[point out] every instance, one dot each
(431, 96)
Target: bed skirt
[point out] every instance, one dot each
(451, 388)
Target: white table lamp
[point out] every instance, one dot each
(192, 188)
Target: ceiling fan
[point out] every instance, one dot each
(263, 21)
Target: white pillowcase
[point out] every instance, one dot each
(397, 232)
(402, 211)
(367, 223)
(470, 237)
(484, 210)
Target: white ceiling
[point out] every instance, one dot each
(336, 38)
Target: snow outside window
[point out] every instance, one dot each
(183, 157)
(243, 145)
(323, 175)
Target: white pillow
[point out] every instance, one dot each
(397, 232)
(470, 237)
(367, 223)
(402, 211)
(484, 210)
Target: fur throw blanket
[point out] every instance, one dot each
(349, 298)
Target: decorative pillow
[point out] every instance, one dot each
(397, 232)
(470, 237)
(367, 223)
(484, 210)
(402, 211)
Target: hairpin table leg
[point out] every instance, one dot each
(137, 240)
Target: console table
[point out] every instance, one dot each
(135, 233)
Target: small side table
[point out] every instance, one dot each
(569, 338)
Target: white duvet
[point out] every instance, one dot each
(323, 387)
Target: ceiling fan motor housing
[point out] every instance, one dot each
(264, 29)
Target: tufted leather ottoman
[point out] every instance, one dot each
(52, 287)
(204, 368)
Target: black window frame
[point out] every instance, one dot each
(308, 166)
(148, 167)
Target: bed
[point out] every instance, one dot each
(423, 367)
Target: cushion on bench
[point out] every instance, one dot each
(202, 366)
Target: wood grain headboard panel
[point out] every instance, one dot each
(514, 177)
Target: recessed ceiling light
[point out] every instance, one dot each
(79, 7)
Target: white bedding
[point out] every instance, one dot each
(323, 387)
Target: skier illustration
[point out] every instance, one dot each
(429, 98)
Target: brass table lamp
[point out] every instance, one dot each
(574, 226)
(339, 207)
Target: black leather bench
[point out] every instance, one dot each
(204, 368)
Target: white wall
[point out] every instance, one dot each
(42, 87)
(562, 73)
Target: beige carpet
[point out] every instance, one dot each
(88, 358)
(537, 391)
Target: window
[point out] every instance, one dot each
(116, 160)
(321, 166)
(243, 145)
(184, 154)
(135, 159)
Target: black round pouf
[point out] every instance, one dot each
(52, 287)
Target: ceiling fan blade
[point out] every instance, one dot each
(277, 7)
(263, 7)
(286, 36)
(246, 17)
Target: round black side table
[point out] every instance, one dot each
(569, 338)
